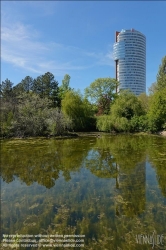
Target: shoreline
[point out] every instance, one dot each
(82, 134)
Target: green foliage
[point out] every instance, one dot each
(126, 105)
(126, 114)
(139, 123)
(32, 114)
(25, 85)
(157, 111)
(104, 123)
(161, 76)
(102, 92)
(65, 86)
(144, 99)
(153, 88)
(6, 89)
(63, 109)
(78, 110)
(35, 117)
(58, 123)
(6, 124)
(46, 86)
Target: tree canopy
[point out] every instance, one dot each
(65, 86)
(77, 108)
(157, 111)
(102, 92)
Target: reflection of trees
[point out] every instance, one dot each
(126, 150)
(157, 157)
(119, 157)
(101, 163)
(41, 161)
(131, 198)
(85, 204)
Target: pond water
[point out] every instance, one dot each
(109, 191)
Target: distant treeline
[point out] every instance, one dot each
(40, 107)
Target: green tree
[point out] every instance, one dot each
(33, 112)
(161, 76)
(160, 79)
(65, 86)
(153, 88)
(157, 111)
(77, 109)
(8, 107)
(46, 86)
(57, 122)
(25, 85)
(125, 107)
(6, 90)
(144, 99)
(102, 92)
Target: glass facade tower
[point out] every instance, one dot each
(129, 53)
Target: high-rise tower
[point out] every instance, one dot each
(129, 52)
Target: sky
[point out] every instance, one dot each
(76, 38)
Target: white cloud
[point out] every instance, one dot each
(22, 47)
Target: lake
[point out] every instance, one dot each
(106, 192)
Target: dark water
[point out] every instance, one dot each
(111, 189)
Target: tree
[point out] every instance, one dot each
(57, 122)
(65, 83)
(25, 85)
(157, 111)
(46, 86)
(126, 107)
(144, 99)
(153, 88)
(161, 76)
(77, 109)
(102, 92)
(33, 112)
(6, 89)
(8, 106)
(160, 79)
(65, 86)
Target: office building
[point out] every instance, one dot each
(129, 52)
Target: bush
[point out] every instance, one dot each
(139, 123)
(104, 123)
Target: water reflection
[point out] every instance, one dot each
(131, 195)
(100, 187)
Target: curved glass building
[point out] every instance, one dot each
(129, 52)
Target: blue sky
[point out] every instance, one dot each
(76, 38)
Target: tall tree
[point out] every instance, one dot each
(161, 76)
(144, 99)
(7, 95)
(66, 81)
(46, 86)
(102, 92)
(8, 106)
(6, 89)
(77, 109)
(25, 85)
(157, 111)
(65, 86)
